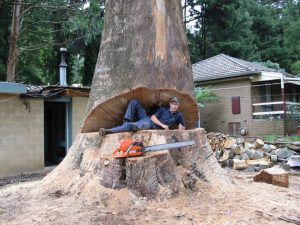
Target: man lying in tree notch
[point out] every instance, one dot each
(136, 118)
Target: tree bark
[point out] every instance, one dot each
(143, 45)
(143, 55)
(13, 41)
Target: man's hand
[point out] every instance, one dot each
(157, 122)
(165, 126)
(180, 127)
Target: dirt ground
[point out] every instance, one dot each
(246, 202)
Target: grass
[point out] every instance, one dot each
(274, 138)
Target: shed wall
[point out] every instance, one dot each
(21, 135)
(79, 106)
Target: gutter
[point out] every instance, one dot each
(236, 76)
(12, 88)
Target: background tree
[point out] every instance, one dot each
(47, 26)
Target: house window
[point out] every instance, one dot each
(236, 105)
(234, 128)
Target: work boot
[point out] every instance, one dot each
(103, 131)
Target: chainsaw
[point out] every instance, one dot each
(135, 147)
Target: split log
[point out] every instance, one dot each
(249, 145)
(258, 143)
(229, 142)
(237, 149)
(244, 156)
(275, 176)
(239, 164)
(226, 163)
(266, 148)
(273, 158)
(258, 162)
(238, 157)
(256, 155)
(228, 154)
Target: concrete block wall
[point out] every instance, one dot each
(21, 135)
(79, 106)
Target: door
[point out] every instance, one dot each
(57, 129)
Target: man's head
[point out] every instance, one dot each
(174, 104)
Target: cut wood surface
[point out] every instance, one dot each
(258, 143)
(146, 176)
(275, 176)
(239, 164)
(229, 142)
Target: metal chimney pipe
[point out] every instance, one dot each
(63, 68)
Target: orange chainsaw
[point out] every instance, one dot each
(135, 147)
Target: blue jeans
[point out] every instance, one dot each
(135, 118)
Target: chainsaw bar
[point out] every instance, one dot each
(168, 146)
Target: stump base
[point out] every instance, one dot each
(144, 176)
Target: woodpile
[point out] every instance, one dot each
(216, 140)
(240, 154)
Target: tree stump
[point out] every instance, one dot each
(144, 176)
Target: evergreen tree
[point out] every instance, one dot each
(224, 26)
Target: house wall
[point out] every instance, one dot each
(215, 117)
(291, 126)
(79, 106)
(21, 135)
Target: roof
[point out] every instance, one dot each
(12, 88)
(223, 66)
(52, 91)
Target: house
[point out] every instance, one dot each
(264, 101)
(37, 124)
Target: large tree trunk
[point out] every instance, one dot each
(143, 55)
(13, 41)
(143, 45)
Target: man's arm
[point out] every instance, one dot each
(155, 120)
(181, 122)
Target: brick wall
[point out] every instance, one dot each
(266, 127)
(216, 116)
(79, 106)
(21, 135)
(291, 126)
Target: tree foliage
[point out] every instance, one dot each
(265, 31)
(205, 95)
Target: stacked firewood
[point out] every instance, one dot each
(241, 154)
(216, 140)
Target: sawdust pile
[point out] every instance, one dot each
(245, 202)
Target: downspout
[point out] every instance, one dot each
(283, 96)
